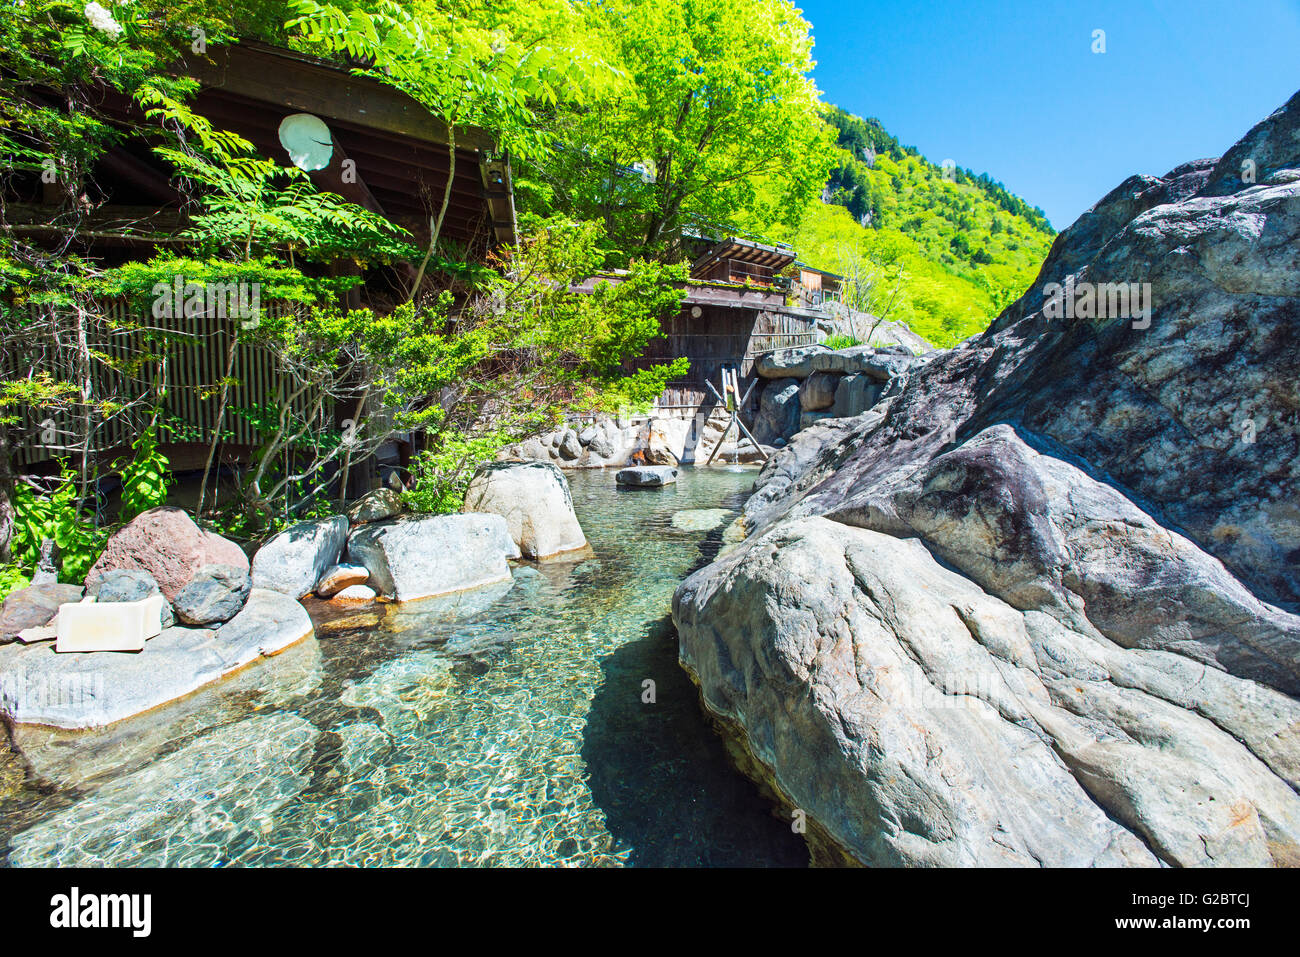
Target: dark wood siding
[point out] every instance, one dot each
(720, 336)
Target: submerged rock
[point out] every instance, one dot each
(534, 499)
(404, 691)
(699, 519)
(185, 808)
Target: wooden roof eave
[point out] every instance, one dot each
(746, 251)
(291, 79)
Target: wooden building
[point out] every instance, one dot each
(815, 287)
(740, 261)
(737, 307)
(379, 149)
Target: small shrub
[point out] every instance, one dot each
(11, 579)
(841, 342)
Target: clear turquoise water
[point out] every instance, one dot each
(507, 727)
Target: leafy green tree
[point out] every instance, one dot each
(717, 121)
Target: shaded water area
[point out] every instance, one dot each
(505, 726)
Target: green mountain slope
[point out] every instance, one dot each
(941, 249)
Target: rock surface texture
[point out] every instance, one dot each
(1038, 605)
(34, 606)
(214, 595)
(419, 557)
(167, 544)
(38, 686)
(293, 561)
(534, 499)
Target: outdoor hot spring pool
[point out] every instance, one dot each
(504, 728)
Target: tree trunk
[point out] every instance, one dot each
(216, 429)
(435, 225)
(6, 498)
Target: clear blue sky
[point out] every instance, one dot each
(1012, 87)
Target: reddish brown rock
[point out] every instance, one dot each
(167, 544)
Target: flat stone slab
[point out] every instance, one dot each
(794, 363)
(875, 363)
(699, 519)
(90, 690)
(647, 476)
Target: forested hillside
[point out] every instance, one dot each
(942, 249)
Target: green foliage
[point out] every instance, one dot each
(468, 63)
(11, 579)
(840, 342)
(943, 254)
(442, 474)
(56, 516)
(145, 479)
(717, 122)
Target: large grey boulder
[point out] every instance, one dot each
(422, 556)
(794, 363)
(534, 499)
(214, 595)
(855, 394)
(817, 392)
(880, 364)
(295, 559)
(778, 411)
(88, 690)
(1038, 604)
(919, 720)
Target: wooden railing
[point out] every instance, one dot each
(191, 362)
